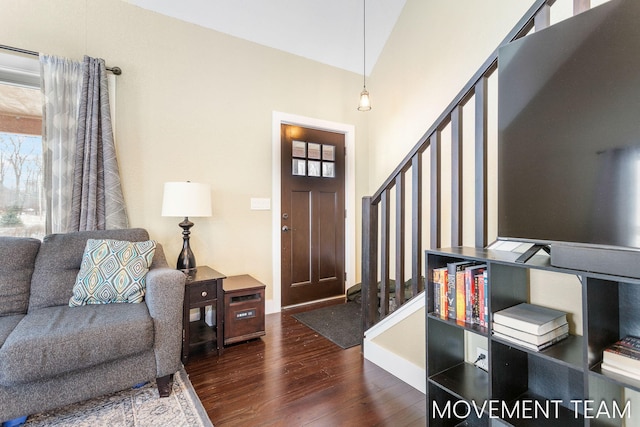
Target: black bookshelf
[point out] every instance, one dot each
(562, 378)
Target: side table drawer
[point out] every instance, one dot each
(202, 293)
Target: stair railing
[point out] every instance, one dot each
(377, 284)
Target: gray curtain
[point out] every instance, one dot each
(97, 201)
(61, 80)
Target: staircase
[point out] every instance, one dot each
(387, 240)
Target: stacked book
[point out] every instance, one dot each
(530, 326)
(623, 358)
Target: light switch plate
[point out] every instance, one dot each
(260, 204)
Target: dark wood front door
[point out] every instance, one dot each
(313, 214)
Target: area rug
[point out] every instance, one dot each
(340, 323)
(136, 407)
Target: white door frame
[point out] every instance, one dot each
(279, 118)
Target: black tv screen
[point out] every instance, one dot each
(569, 131)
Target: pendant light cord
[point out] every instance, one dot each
(364, 43)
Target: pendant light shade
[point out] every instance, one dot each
(365, 101)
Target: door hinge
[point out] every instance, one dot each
(345, 276)
(345, 213)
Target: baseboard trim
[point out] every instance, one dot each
(303, 304)
(271, 307)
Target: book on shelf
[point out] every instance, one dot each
(436, 292)
(483, 296)
(531, 338)
(475, 299)
(439, 292)
(444, 302)
(471, 274)
(635, 375)
(452, 272)
(484, 299)
(630, 343)
(530, 318)
(623, 354)
(528, 345)
(461, 305)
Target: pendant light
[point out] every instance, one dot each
(365, 101)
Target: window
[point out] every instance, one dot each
(22, 201)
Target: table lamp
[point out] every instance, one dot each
(186, 199)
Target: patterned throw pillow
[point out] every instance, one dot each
(112, 271)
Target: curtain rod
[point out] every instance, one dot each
(115, 70)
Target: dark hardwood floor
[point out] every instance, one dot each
(294, 377)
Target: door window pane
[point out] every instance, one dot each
(313, 167)
(328, 170)
(328, 152)
(313, 150)
(299, 167)
(299, 149)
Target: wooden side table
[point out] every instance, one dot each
(243, 308)
(202, 289)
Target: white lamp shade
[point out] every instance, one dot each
(186, 199)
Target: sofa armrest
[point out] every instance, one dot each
(164, 298)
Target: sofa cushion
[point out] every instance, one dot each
(7, 325)
(55, 340)
(17, 258)
(58, 263)
(112, 271)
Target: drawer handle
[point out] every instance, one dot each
(204, 294)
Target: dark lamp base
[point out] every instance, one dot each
(186, 259)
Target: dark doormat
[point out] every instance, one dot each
(340, 323)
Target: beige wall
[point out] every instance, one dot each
(410, 330)
(192, 104)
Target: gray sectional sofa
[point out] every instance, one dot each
(52, 354)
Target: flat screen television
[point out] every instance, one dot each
(569, 131)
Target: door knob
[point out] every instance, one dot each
(285, 228)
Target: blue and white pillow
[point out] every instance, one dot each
(112, 271)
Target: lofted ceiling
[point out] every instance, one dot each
(327, 31)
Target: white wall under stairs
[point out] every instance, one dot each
(397, 343)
